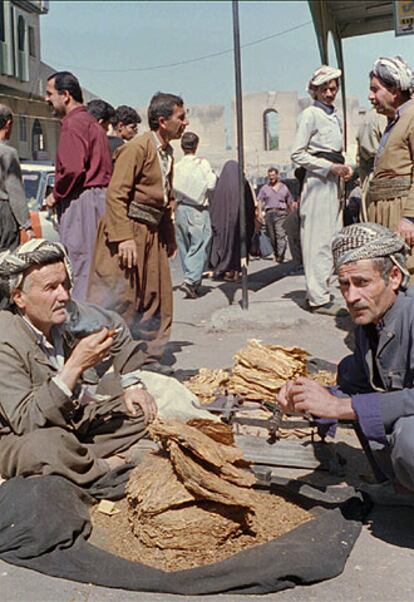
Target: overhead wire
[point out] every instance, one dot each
(188, 61)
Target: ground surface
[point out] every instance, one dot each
(207, 332)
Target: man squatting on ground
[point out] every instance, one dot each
(130, 271)
(83, 171)
(193, 178)
(275, 201)
(14, 213)
(375, 385)
(52, 421)
(390, 195)
(318, 149)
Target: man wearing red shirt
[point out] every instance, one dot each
(83, 172)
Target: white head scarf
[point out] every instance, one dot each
(321, 76)
(394, 71)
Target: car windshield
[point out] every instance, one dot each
(31, 182)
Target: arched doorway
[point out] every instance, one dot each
(38, 140)
(271, 130)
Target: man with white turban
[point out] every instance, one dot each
(318, 150)
(53, 352)
(375, 385)
(390, 194)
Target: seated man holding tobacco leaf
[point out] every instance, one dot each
(376, 383)
(53, 353)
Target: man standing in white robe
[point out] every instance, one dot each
(318, 150)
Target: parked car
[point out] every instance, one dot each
(38, 181)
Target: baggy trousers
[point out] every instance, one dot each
(78, 223)
(320, 218)
(193, 234)
(98, 430)
(395, 460)
(142, 295)
(388, 213)
(275, 220)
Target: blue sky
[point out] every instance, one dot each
(106, 43)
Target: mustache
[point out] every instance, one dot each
(358, 305)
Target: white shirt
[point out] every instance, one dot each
(193, 176)
(318, 130)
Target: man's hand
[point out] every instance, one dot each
(309, 396)
(139, 397)
(405, 229)
(128, 253)
(87, 353)
(342, 171)
(284, 398)
(50, 201)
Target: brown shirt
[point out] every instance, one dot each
(397, 158)
(137, 175)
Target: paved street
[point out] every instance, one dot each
(207, 332)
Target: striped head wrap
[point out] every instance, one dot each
(370, 241)
(321, 76)
(394, 71)
(35, 252)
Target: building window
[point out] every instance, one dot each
(271, 130)
(20, 33)
(32, 41)
(2, 28)
(38, 139)
(23, 128)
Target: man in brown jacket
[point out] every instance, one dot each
(130, 271)
(52, 350)
(390, 196)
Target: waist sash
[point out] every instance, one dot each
(388, 188)
(147, 214)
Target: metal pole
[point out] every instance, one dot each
(240, 152)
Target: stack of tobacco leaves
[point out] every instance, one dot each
(192, 503)
(258, 373)
(260, 370)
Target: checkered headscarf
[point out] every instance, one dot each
(370, 241)
(14, 264)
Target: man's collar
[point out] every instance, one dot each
(404, 106)
(40, 337)
(329, 109)
(165, 146)
(80, 109)
(388, 318)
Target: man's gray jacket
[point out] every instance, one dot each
(11, 187)
(29, 397)
(390, 359)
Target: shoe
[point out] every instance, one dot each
(384, 494)
(297, 271)
(160, 368)
(329, 309)
(190, 290)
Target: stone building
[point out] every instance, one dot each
(23, 78)
(270, 123)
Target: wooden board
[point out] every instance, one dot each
(285, 452)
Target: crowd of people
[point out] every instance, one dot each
(124, 209)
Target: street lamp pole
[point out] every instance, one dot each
(240, 152)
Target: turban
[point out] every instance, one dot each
(35, 252)
(394, 71)
(369, 241)
(321, 76)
